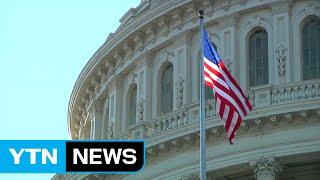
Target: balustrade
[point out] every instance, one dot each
(284, 94)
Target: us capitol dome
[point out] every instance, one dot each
(143, 83)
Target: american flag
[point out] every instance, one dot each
(232, 105)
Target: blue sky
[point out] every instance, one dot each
(43, 47)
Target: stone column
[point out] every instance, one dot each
(119, 122)
(95, 117)
(228, 46)
(281, 43)
(144, 91)
(266, 168)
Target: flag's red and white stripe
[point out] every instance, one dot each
(232, 105)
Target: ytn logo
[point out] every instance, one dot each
(32, 156)
(59, 156)
(32, 152)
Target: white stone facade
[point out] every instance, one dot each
(279, 139)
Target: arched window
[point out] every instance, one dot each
(311, 48)
(166, 96)
(132, 97)
(258, 58)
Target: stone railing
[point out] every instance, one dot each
(284, 94)
(169, 122)
(138, 131)
(295, 93)
(187, 116)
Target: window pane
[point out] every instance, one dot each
(132, 106)
(310, 49)
(258, 58)
(167, 89)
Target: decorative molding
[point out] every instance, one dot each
(243, 2)
(165, 56)
(281, 59)
(255, 21)
(192, 11)
(266, 167)
(95, 82)
(151, 33)
(245, 125)
(111, 68)
(226, 4)
(274, 120)
(282, 7)
(128, 46)
(229, 21)
(208, 7)
(309, 11)
(90, 92)
(138, 40)
(102, 74)
(216, 132)
(140, 109)
(163, 24)
(177, 18)
(95, 106)
(180, 91)
(118, 58)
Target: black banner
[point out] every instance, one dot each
(99, 156)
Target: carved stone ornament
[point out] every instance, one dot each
(140, 109)
(207, 4)
(118, 58)
(165, 55)
(266, 168)
(128, 47)
(309, 10)
(255, 21)
(163, 24)
(95, 82)
(226, 5)
(180, 91)
(110, 68)
(138, 40)
(111, 129)
(281, 59)
(192, 11)
(243, 2)
(151, 33)
(177, 18)
(84, 131)
(102, 73)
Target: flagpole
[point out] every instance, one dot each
(202, 106)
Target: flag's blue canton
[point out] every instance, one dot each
(209, 52)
